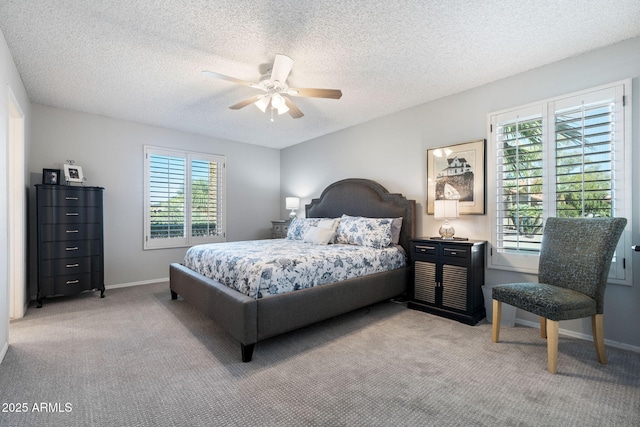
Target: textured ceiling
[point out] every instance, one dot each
(142, 60)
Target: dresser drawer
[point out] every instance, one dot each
(60, 232)
(455, 252)
(425, 249)
(68, 285)
(70, 249)
(68, 196)
(71, 215)
(67, 266)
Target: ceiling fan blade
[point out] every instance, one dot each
(281, 68)
(315, 93)
(294, 111)
(228, 78)
(246, 102)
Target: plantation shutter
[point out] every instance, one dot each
(207, 192)
(184, 198)
(584, 149)
(166, 197)
(519, 177)
(564, 157)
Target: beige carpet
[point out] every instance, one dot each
(136, 358)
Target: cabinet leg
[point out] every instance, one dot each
(39, 303)
(174, 295)
(247, 352)
(101, 293)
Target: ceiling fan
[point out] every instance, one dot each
(276, 90)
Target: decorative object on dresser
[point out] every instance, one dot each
(292, 203)
(446, 209)
(51, 176)
(73, 172)
(70, 240)
(279, 228)
(448, 276)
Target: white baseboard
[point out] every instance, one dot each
(142, 282)
(3, 352)
(579, 335)
(126, 285)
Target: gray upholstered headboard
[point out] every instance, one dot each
(363, 197)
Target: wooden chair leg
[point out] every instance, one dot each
(552, 345)
(497, 315)
(543, 327)
(597, 328)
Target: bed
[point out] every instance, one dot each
(249, 319)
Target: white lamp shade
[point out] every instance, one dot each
(263, 103)
(292, 202)
(444, 209)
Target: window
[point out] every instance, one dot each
(184, 198)
(565, 157)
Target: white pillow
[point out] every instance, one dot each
(396, 226)
(330, 223)
(319, 235)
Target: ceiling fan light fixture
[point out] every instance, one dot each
(282, 109)
(263, 103)
(276, 90)
(277, 101)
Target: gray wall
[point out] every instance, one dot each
(110, 153)
(9, 78)
(391, 150)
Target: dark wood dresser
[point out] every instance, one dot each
(70, 240)
(448, 278)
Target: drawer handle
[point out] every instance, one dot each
(72, 214)
(72, 282)
(72, 265)
(71, 198)
(425, 248)
(75, 248)
(452, 251)
(72, 231)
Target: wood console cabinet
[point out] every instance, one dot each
(448, 276)
(70, 240)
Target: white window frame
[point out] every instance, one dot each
(187, 239)
(620, 272)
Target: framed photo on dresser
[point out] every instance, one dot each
(73, 173)
(51, 176)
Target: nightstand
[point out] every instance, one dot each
(448, 278)
(279, 228)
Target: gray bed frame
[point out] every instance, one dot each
(250, 320)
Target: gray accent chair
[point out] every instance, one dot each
(575, 258)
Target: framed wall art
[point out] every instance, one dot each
(51, 176)
(457, 172)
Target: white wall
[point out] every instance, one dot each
(391, 150)
(9, 80)
(110, 153)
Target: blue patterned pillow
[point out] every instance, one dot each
(299, 227)
(372, 232)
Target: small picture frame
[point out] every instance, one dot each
(73, 173)
(51, 176)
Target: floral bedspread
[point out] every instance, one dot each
(258, 268)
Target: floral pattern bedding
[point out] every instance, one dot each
(259, 268)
